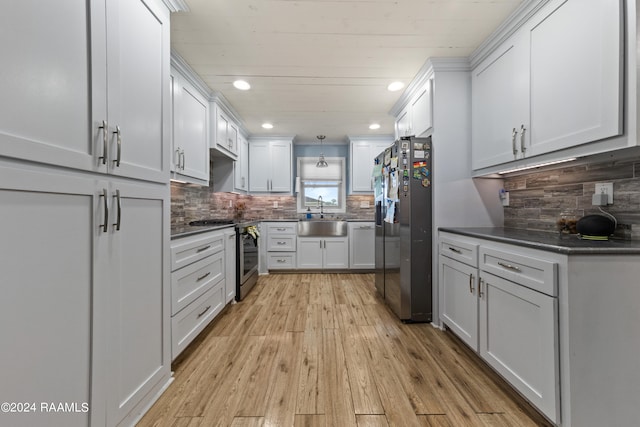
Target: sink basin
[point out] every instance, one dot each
(322, 228)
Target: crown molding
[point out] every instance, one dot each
(185, 70)
(176, 5)
(506, 29)
(367, 138)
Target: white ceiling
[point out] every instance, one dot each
(323, 66)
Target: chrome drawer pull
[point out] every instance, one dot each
(105, 141)
(205, 310)
(281, 260)
(281, 243)
(119, 146)
(281, 229)
(458, 251)
(203, 249)
(509, 266)
(105, 224)
(514, 134)
(202, 277)
(119, 214)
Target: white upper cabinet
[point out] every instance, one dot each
(576, 73)
(190, 132)
(270, 165)
(241, 166)
(225, 134)
(421, 111)
(499, 104)
(416, 118)
(363, 151)
(93, 109)
(555, 83)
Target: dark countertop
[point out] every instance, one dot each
(554, 242)
(180, 231)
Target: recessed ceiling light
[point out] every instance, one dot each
(241, 85)
(374, 126)
(395, 86)
(267, 126)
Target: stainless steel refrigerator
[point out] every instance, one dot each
(403, 186)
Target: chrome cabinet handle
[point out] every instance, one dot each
(243, 182)
(514, 134)
(202, 277)
(509, 266)
(105, 224)
(281, 243)
(458, 251)
(522, 131)
(480, 293)
(365, 227)
(320, 244)
(119, 143)
(105, 141)
(119, 215)
(471, 283)
(184, 160)
(177, 158)
(203, 249)
(205, 310)
(281, 260)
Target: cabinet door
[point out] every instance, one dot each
(51, 311)
(241, 166)
(260, 166)
(138, 75)
(403, 123)
(53, 88)
(361, 245)
(576, 73)
(139, 297)
(518, 338)
(421, 119)
(232, 137)
(309, 253)
(499, 103)
(230, 265)
(191, 131)
(361, 166)
(458, 284)
(336, 252)
(280, 167)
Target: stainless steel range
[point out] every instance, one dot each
(247, 235)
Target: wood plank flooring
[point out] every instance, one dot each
(324, 350)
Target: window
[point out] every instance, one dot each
(321, 184)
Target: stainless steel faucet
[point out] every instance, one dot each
(321, 202)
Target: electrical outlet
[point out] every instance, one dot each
(275, 203)
(605, 188)
(364, 204)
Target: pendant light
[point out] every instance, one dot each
(322, 163)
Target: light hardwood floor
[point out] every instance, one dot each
(324, 350)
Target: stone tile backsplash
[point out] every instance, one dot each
(539, 199)
(192, 202)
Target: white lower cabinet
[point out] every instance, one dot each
(199, 288)
(361, 245)
(502, 302)
(85, 294)
(230, 257)
(323, 252)
(281, 238)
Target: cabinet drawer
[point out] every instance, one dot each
(459, 250)
(187, 324)
(191, 249)
(537, 274)
(282, 228)
(190, 282)
(281, 243)
(281, 260)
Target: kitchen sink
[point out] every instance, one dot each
(322, 228)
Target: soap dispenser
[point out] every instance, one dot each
(308, 212)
